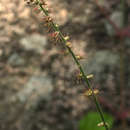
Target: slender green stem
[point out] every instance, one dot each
(79, 66)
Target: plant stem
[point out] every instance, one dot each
(79, 66)
(122, 52)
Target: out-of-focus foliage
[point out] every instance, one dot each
(92, 119)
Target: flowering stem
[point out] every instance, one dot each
(56, 28)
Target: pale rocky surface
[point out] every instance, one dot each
(34, 42)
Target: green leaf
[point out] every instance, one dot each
(92, 119)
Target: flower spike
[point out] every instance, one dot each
(57, 35)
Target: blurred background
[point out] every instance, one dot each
(39, 87)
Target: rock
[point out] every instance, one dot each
(38, 87)
(34, 42)
(101, 64)
(116, 18)
(16, 60)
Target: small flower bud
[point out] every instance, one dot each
(66, 38)
(48, 10)
(79, 76)
(89, 76)
(79, 57)
(57, 25)
(90, 92)
(47, 19)
(55, 36)
(68, 44)
(101, 124)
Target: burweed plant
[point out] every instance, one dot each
(57, 35)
